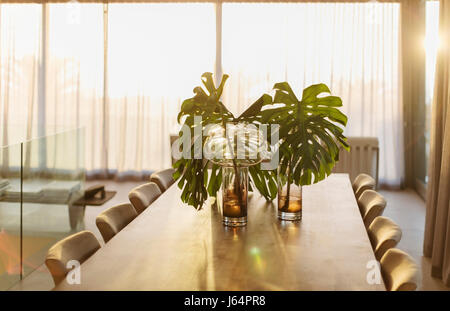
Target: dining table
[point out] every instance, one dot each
(172, 246)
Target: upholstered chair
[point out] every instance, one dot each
(371, 205)
(384, 234)
(142, 196)
(79, 246)
(399, 270)
(362, 183)
(163, 178)
(114, 219)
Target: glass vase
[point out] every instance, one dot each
(234, 195)
(289, 198)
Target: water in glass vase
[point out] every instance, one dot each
(234, 197)
(290, 209)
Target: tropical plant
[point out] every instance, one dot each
(310, 134)
(192, 174)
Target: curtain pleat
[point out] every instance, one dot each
(437, 225)
(413, 56)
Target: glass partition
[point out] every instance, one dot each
(53, 179)
(10, 215)
(40, 182)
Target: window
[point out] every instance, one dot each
(351, 47)
(122, 70)
(156, 55)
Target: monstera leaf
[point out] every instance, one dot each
(193, 175)
(310, 132)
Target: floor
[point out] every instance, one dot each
(405, 207)
(40, 279)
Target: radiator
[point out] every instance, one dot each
(363, 157)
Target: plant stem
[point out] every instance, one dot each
(237, 176)
(288, 191)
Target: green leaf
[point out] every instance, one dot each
(311, 92)
(208, 82)
(284, 86)
(193, 176)
(308, 132)
(222, 84)
(283, 97)
(330, 101)
(256, 107)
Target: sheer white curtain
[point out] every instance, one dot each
(157, 52)
(74, 75)
(156, 55)
(351, 47)
(20, 27)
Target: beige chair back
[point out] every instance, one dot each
(142, 196)
(163, 178)
(362, 183)
(371, 205)
(114, 219)
(399, 270)
(79, 246)
(384, 234)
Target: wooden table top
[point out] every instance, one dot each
(171, 246)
